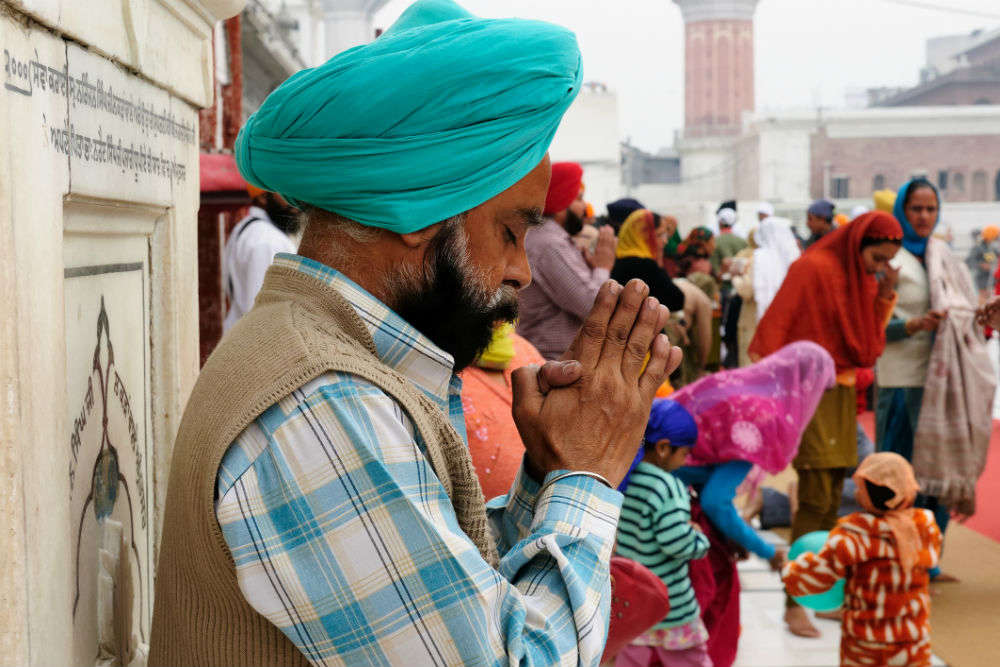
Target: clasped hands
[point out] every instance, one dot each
(588, 412)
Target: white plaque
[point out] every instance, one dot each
(108, 406)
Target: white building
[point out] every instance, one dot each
(792, 158)
(946, 53)
(324, 28)
(590, 133)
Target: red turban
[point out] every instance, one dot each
(567, 180)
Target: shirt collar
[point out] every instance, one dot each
(398, 345)
(258, 212)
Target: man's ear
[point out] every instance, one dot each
(421, 236)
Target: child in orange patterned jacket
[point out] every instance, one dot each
(883, 554)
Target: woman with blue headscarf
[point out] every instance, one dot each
(937, 429)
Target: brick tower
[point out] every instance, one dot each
(718, 65)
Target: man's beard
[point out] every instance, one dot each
(573, 224)
(285, 218)
(446, 301)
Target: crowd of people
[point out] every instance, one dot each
(468, 422)
(783, 339)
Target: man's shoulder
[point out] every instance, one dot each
(551, 254)
(737, 243)
(546, 238)
(335, 407)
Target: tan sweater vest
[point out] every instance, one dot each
(298, 329)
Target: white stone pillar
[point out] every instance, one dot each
(349, 23)
(308, 14)
(99, 194)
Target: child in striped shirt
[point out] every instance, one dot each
(655, 530)
(884, 553)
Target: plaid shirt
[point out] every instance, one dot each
(344, 538)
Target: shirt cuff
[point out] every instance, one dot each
(601, 274)
(766, 551)
(896, 330)
(576, 505)
(519, 503)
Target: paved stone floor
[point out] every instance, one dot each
(764, 641)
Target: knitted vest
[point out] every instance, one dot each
(298, 329)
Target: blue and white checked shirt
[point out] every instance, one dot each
(344, 538)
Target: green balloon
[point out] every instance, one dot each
(828, 600)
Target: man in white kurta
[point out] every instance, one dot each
(251, 248)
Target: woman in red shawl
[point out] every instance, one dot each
(832, 297)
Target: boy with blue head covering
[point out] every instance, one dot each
(655, 530)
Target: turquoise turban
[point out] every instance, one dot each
(441, 113)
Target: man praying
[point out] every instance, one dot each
(322, 507)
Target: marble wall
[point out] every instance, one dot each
(98, 310)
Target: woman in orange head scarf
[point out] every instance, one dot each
(831, 296)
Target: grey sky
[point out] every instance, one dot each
(808, 51)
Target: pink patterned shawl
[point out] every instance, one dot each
(758, 413)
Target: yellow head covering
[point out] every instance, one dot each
(636, 236)
(990, 233)
(884, 200)
(499, 353)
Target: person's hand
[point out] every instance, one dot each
(988, 314)
(887, 283)
(778, 560)
(928, 322)
(685, 339)
(596, 424)
(603, 256)
(555, 374)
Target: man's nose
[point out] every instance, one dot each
(518, 274)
